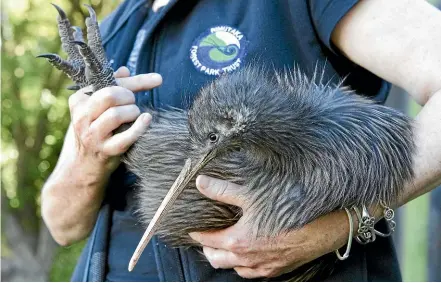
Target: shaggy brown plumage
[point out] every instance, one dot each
(301, 149)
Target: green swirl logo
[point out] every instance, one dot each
(218, 50)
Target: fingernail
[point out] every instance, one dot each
(202, 182)
(146, 117)
(156, 77)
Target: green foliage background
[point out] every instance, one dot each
(35, 113)
(35, 117)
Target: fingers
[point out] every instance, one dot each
(219, 258)
(251, 273)
(77, 103)
(220, 190)
(225, 239)
(244, 266)
(119, 143)
(109, 97)
(122, 72)
(140, 82)
(120, 95)
(112, 118)
(78, 100)
(96, 117)
(246, 272)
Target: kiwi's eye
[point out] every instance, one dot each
(213, 137)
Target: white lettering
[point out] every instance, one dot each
(230, 30)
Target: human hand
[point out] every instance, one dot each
(265, 257)
(95, 117)
(73, 194)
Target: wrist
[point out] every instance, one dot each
(93, 165)
(81, 180)
(85, 170)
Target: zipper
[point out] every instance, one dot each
(151, 67)
(181, 265)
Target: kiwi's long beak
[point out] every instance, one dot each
(187, 173)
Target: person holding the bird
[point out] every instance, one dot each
(172, 49)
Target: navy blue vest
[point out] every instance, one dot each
(189, 43)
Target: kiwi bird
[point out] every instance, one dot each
(299, 147)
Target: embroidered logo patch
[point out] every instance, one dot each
(219, 50)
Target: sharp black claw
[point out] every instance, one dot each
(74, 87)
(48, 56)
(91, 12)
(51, 57)
(60, 11)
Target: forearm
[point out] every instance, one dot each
(72, 196)
(427, 168)
(70, 203)
(398, 40)
(427, 161)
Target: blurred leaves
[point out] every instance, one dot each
(64, 265)
(34, 99)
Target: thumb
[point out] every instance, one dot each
(220, 190)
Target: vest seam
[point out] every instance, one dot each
(119, 24)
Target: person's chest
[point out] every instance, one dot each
(190, 43)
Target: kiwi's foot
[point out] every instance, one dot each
(86, 63)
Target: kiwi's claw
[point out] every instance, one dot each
(86, 63)
(65, 66)
(61, 13)
(94, 37)
(74, 87)
(50, 57)
(91, 12)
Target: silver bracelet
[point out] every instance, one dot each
(388, 214)
(366, 224)
(366, 230)
(351, 235)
